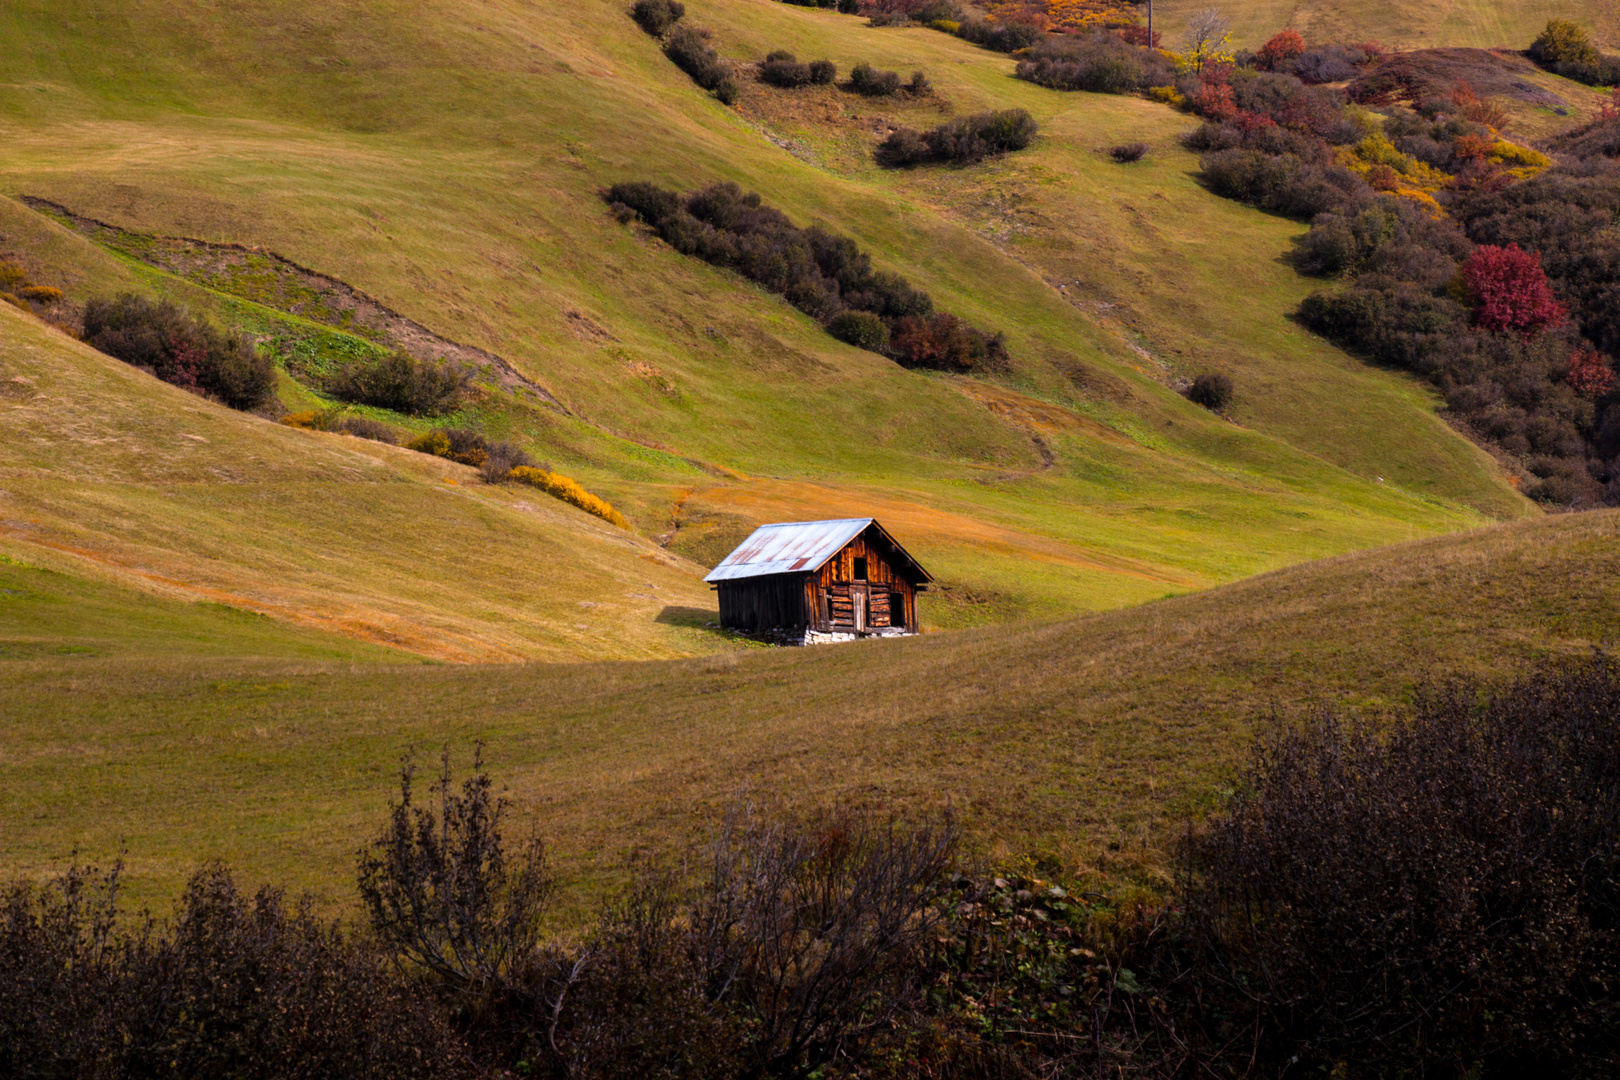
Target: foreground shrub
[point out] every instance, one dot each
(442, 890)
(965, 140)
(657, 16)
(401, 382)
(1213, 391)
(569, 491)
(821, 273)
(1437, 897)
(180, 349)
(236, 986)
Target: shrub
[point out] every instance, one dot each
(1099, 63)
(1279, 51)
(819, 272)
(569, 491)
(865, 79)
(401, 382)
(363, 427)
(436, 443)
(1589, 373)
(12, 277)
(1280, 182)
(180, 349)
(1211, 390)
(782, 69)
(657, 16)
(311, 420)
(823, 72)
(234, 986)
(968, 139)
(441, 889)
(500, 458)
(861, 329)
(943, 342)
(1328, 64)
(1128, 152)
(1510, 291)
(689, 49)
(1004, 37)
(40, 294)
(1435, 896)
(1562, 41)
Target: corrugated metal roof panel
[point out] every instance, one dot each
(788, 547)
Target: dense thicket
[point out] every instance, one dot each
(782, 68)
(1566, 48)
(179, 348)
(963, 140)
(1445, 230)
(689, 49)
(1101, 62)
(1439, 897)
(821, 273)
(401, 382)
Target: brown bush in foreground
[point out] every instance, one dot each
(1438, 897)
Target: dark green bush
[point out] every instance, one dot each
(861, 329)
(1281, 182)
(657, 16)
(1212, 390)
(865, 79)
(181, 349)
(783, 69)
(401, 382)
(823, 72)
(965, 140)
(819, 272)
(1004, 37)
(689, 48)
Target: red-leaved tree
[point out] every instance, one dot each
(1510, 291)
(1589, 373)
(1282, 47)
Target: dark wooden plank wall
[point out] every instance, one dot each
(763, 603)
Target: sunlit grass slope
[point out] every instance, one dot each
(1089, 738)
(110, 471)
(447, 158)
(1481, 24)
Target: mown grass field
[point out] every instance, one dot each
(1090, 739)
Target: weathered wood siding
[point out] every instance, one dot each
(830, 595)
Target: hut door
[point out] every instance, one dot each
(857, 597)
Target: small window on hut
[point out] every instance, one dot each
(860, 569)
(897, 609)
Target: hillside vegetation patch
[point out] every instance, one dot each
(402, 383)
(820, 273)
(160, 338)
(962, 141)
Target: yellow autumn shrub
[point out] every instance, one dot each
(436, 443)
(40, 294)
(568, 490)
(1520, 162)
(1167, 94)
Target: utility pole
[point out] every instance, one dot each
(1150, 24)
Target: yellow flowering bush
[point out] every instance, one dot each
(568, 490)
(1169, 95)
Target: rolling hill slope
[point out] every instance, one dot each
(1088, 738)
(447, 160)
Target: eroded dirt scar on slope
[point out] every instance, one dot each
(264, 277)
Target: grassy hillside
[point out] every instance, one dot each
(447, 160)
(1480, 24)
(1088, 738)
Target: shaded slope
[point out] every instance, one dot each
(1090, 737)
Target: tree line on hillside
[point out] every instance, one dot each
(821, 273)
(1437, 895)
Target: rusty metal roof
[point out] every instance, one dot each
(798, 547)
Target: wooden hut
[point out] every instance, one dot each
(811, 582)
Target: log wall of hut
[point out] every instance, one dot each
(763, 603)
(861, 567)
